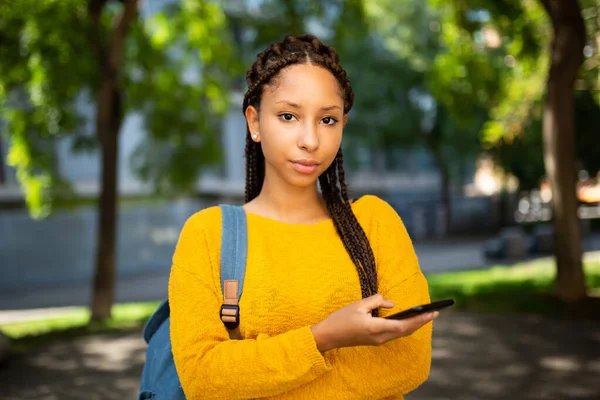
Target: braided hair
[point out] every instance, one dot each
(308, 49)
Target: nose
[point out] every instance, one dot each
(308, 139)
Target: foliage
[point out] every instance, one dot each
(523, 155)
(514, 131)
(44, 67)
(590, 71)
(177, 67)
(179, 71)
(456, 83)
(386, 113)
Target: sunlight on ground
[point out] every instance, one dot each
(75, 317)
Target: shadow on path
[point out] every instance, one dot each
(492, 357)
(475, 357)
(106, 366)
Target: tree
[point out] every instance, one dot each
(386, 115)
(566, 54)
(255, 26)
(455, 84)
(530, 28)
(562, 22)
(509, 152)
(172, 67)
(490, 57)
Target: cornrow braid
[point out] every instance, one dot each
(269, 63)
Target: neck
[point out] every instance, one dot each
(291, 203)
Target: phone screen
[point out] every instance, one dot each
(411, 312)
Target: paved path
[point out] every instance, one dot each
(475, 357)
(491, 357)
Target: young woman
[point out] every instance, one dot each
(321, 270)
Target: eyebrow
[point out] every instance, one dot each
(292, 104)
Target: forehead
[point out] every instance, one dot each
(304, 82)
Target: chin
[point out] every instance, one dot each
(303, 181)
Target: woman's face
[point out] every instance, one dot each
(299, 125)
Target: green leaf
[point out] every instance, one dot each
(49, 70)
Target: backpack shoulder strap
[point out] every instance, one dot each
(234, 249)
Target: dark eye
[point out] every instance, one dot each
(329, 121)
(286, 116)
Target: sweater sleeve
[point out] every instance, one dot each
(209, 364)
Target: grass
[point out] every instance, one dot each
(524, 287)
(73, 324)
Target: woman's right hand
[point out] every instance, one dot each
(354, 325)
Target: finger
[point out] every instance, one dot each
(416, 322)
(387, 304)
(373, 302)
(433, 316)
(405, 326)
(388, 326)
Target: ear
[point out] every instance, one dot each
(253, 122)
(345, 120)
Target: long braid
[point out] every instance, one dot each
(255, 168)
(353, 236)
(366, 248)
(301, 50)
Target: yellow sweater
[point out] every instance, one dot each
(296, 275)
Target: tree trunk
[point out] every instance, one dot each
(104, 279)
(109, 118)
(559, 144)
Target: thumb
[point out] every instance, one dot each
(375, 301)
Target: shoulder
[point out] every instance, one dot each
(201, 228)
(373, 202)
(198, 240)
(381, 222)
(205, 219)
(371, 209)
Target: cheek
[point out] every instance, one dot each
(271, 152)
(275, 142)
(332, 140)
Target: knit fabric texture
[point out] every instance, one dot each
(296, 275)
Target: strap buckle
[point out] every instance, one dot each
(230, 315)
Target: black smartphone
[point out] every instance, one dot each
(411, 312)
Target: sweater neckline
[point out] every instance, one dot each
(297, 225)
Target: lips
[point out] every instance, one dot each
(305, 166)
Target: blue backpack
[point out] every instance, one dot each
(159, 377)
